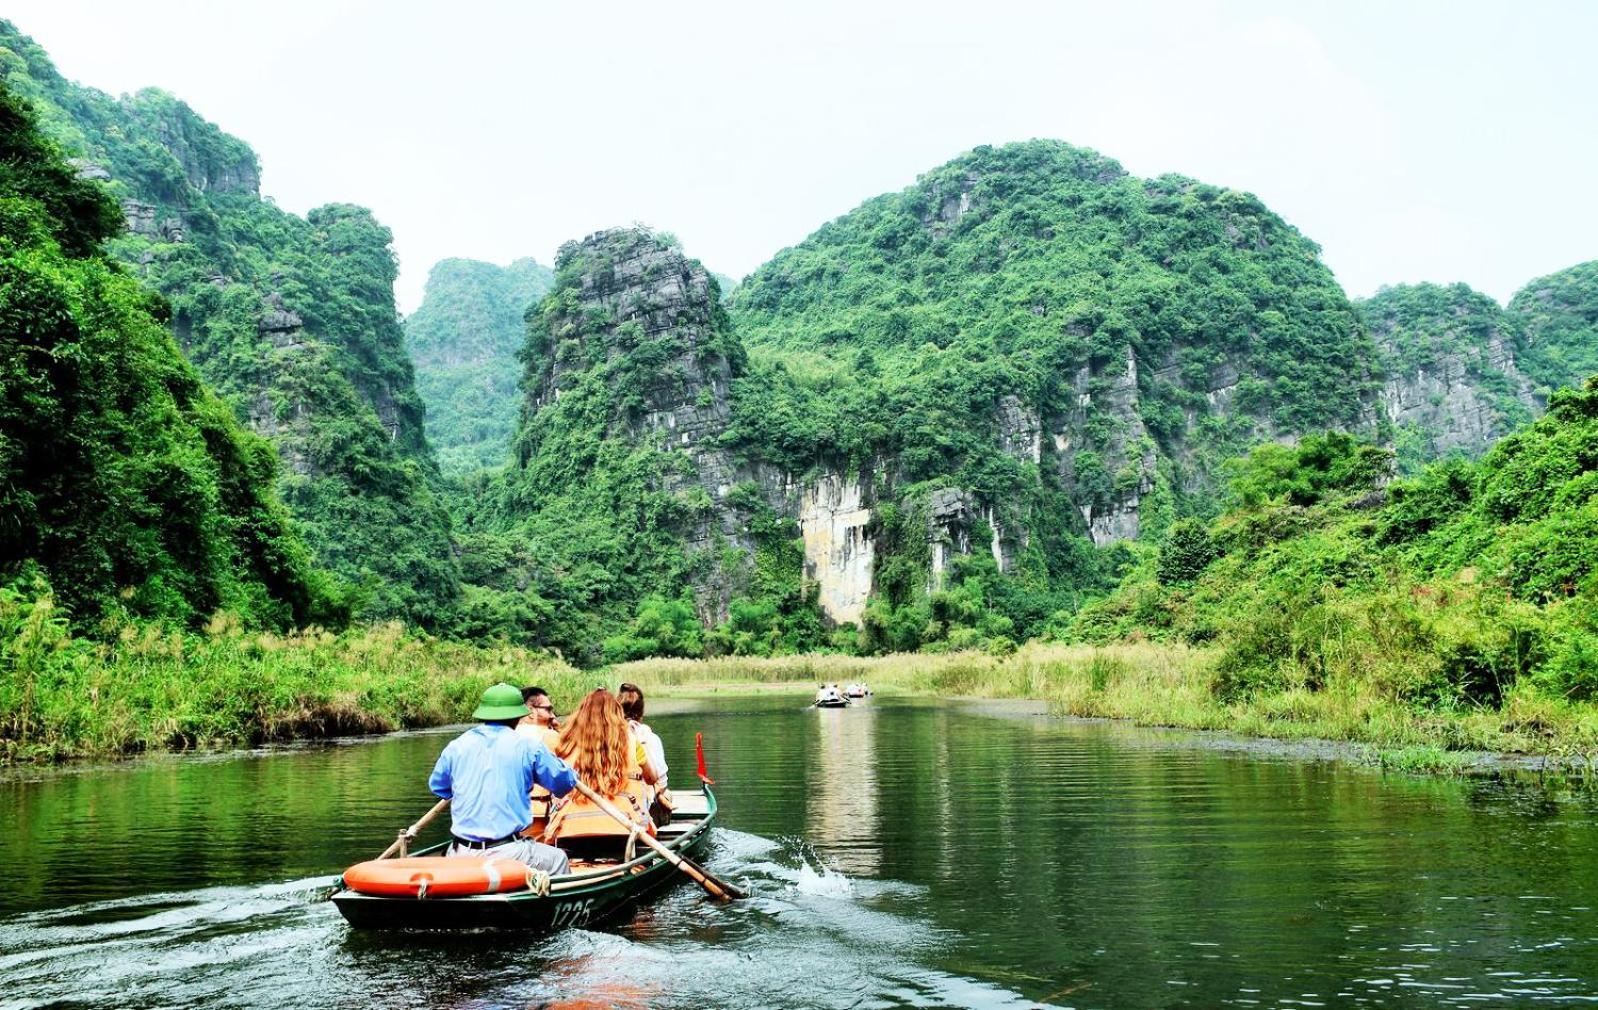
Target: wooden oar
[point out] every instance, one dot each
(718, 889)
(408, 836)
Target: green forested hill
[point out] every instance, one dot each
(1137, 331)
(290, 319)
(1557, 318)
(1067, 351)
(627, 364)
(464, 341)
(126, 487)
(1451, 381)
(1468, 584)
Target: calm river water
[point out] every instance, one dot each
(900, 854)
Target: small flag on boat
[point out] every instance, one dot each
(699, 749)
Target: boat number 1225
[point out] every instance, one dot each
(576, 913)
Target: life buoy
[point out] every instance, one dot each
(436, 877)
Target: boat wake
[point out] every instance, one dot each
(809, 936)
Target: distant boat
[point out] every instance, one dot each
(856, 691)
(828, 696)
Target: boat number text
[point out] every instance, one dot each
(576, 913)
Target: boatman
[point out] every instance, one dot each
(487, 773)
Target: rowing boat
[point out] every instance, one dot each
(589, 894)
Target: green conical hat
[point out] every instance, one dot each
(502, 701)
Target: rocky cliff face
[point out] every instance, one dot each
(1049, 334)
(1451, 382)
(290, 319)
(839, 551)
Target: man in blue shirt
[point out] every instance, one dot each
(487, 773)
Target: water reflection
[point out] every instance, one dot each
(842, 787)
(986, 862)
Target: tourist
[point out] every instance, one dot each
(601, 749)
(631, 697)
(540, 724)
(488, 773)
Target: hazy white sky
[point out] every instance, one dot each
(1439, 141)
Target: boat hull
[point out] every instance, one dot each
(574, 903)
(833, 703)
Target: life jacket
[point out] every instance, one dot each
(576, 816)
(541, 798)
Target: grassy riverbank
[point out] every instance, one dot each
(1171, 685)
(146, 689)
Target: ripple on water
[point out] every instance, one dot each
(898, 856)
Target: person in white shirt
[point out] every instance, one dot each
(631, 697)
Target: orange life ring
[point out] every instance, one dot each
(436, 877)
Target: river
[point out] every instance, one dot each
(900, 854)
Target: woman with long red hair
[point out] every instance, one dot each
(600, 747)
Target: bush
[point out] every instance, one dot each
(1187, 551)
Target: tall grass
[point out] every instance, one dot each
(149, 689)
(1164, 685)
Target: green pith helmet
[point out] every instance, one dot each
(501, 701)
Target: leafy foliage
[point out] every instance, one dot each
(1470, 584)
(124, 482)
(464, 340)
(1557, 319)
(291, 320)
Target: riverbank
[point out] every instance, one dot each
(147, 690)
(63, 697)
(1170, 685)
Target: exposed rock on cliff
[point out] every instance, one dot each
(290, 319)
(839, 553)
(1451, 384)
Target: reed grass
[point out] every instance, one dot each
(145, 688)
(1154, 684)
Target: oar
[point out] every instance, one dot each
(408, 836)
(718, 889)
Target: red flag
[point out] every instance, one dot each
(699, 749)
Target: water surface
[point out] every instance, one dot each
(900, 854)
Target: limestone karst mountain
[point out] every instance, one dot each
(1451, 383)
(290, 319)
(127, 490)
(463, 341)
(1557, 326)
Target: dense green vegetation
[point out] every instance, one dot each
(1009, 269)
(1470, 585)
(1557, 319)
(63, 695)
(464, 340)
(1436, 339)
(1038, 286)
(126, 488)
(291, 320)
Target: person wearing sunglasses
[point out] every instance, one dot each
(539, 724)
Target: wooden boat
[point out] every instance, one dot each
(828, 696)
(590, 893)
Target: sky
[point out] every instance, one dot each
(1435, 141)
